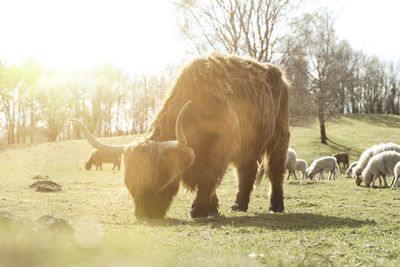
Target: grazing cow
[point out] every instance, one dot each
(221, 109)
(343, 158)
(99, 157)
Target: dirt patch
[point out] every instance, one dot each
(46, 186)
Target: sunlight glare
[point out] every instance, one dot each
(134, 35)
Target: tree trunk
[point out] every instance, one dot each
(32, 119)
(322, 129)
(323, 133)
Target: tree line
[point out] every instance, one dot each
(36, 103)
(327, 75)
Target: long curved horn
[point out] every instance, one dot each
(179, 132)
(96, 143)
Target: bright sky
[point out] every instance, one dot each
(142, 35)
(370, 25)
(136, 35)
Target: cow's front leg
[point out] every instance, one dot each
(214, 205)
(202, 204)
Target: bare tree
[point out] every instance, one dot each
(323, 71)
(9, 92)
(251, 27)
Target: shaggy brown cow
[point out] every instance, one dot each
(98, 157)
(342, 157)
(238, 112)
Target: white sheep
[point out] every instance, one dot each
(301, 166)
(380, 164)
(396, 177)
(369, 153)
(349, 170)
(291, 162)
(290, 166)
(318, 166)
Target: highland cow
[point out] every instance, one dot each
(98, 158)
(238, 113)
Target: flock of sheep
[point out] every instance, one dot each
(376, 162)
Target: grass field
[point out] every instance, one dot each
(326, 223)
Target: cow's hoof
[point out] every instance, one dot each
(238, 207)
(276, 208)
(213, 212)
(198, 213)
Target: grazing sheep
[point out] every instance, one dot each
(301, 166)
(290, 166)
(342, 157)
(291, 162)
(349, 171)
(396, 177)
(318, 166)
(260, 173)
(380, 164)
(369, 153)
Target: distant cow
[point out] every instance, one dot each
(342, 157)
(98, 158)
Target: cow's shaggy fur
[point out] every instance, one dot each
(97, 158)
(380, 164)
(238, 112)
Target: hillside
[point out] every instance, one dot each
(352, 133)
(331, 223)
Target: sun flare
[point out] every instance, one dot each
(135, 35)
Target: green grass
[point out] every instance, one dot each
(326, 223)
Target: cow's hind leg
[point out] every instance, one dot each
(247, 174)
(276, 163)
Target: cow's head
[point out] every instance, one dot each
(152, 168)
(88, 165)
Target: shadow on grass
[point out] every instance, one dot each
(339, 147)
(284, 221)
